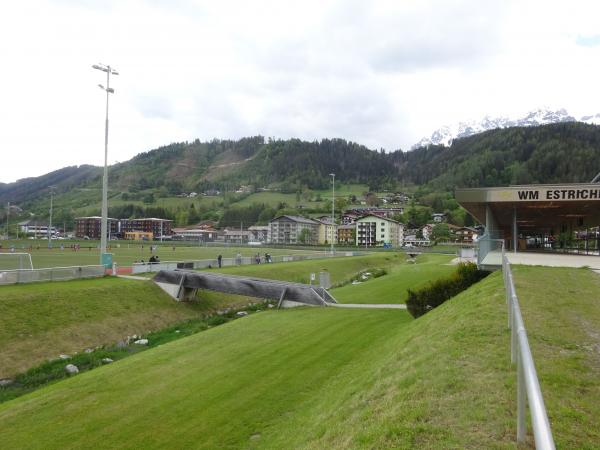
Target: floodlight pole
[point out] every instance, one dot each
(7, 217)
(104, 222)
(50, 221)
(332, 175)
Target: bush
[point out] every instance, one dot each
(423, 300)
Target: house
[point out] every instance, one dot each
(347, 234)
(158, 227)
(426, 231)
(349, 217)
(464, 235)
(293, 230)
(90, 227)
(372, 230)
(438, 217)
(259, 233)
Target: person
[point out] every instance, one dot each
(152, 259)
(238, 259)
(257, 258)
(220, 260)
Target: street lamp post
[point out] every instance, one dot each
(104, 223)
(332, 175)
(49, 229)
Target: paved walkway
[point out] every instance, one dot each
(368, 305)
(133, 277)
(544, 259)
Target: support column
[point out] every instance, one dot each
(514, 233)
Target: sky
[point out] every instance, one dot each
(382, 73)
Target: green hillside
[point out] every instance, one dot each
(330, 378)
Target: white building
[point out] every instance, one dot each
(372, 230)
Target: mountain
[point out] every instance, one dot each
(61, 180)
(447, 134)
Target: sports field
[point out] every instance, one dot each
(125, 254)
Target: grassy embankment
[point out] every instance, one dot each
(330, 378)
(40, 321)
(390, 288)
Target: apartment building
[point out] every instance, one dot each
(373, 230)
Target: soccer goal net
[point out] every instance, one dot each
(15, 261)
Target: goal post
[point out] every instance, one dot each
(15, 261)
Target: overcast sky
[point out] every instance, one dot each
(381, 73)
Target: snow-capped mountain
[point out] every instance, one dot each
(446, 134)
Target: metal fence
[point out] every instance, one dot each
(489, 251)
(225, 262)
(528, 386)
(50, 274)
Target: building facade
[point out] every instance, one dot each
(293, 230)
(327, 231)
(372, 230)
(90, 227)
(347, 234)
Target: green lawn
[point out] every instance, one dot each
(126, 253)
(392, 288)
(42, 320)
(341, 269)
(333, 378)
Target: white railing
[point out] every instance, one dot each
(528, 386)
(50, 274)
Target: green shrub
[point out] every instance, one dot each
(437, 292)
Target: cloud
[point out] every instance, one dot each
(382, 73)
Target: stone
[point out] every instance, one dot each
(107, 360)
(63, 357)
(71, 369)
(141, 342)
(88, 350)
(177, 331)
(271, 305)
(6, 382)
(241, 313)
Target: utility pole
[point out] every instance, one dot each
(7, 216)
(104, 225)
(332, 175)
(49, 229)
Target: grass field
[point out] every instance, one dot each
(128, 253)
(40, 321)
(392, 288)
(332, 378)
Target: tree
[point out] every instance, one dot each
(305, 236)
(440, 231)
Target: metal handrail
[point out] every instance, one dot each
(528, 386)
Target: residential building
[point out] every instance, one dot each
(236, 236)
(259, 233)
(291, 230)
(90, 227)
(426, 231)
(327, 231)
(349, 217)
(194, 234)
(152, 225)
(385, 212)
(36, 228)
(372, 230)
(347, 234)
(138, 236)
(465, 235)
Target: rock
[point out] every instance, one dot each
(63, 357)
(241, 313)
(177, 331)
(356, 282)
(88, 350)
(134, 337)
(141, 342)
(6, 382)
(271, 305)
(71, 369)
(107, 360)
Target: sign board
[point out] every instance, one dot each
(313, 277)
(107, 260)
(544, 194)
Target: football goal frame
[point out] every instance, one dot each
(23, 261)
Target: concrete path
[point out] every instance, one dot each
(544, 259)
(133, 277)
(368, 305)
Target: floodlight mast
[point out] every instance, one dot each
(104, 223)
(332, 175)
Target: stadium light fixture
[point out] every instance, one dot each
(104, 223)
